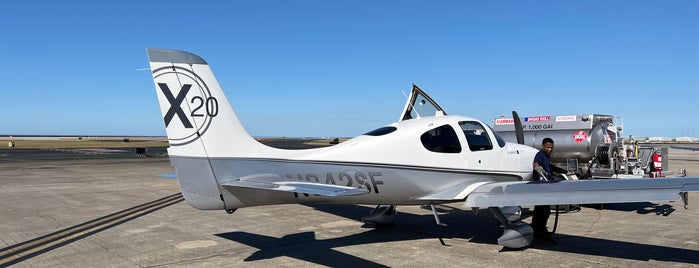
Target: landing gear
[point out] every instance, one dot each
(382, 215)
(516, 234)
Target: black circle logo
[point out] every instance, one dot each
(192, 107)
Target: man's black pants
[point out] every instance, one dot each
(539, 219)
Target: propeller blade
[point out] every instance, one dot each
(519, 131)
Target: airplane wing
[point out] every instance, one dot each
(580, 192)
(274, 182)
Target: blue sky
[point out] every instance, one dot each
(337, 68)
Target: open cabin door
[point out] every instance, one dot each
(420, 104)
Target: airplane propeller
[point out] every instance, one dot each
(519, 132)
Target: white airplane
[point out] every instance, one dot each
(426, 158)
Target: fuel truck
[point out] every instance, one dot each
(589, 145)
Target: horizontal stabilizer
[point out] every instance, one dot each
(268, 182)
(580, 192)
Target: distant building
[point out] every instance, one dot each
(659, 139)
(687, 139)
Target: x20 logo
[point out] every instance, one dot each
(192, 107)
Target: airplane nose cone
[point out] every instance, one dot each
(528, 151)
(525, 156)
(528, 154)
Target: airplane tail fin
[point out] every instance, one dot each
(200, 124)
(199, 120)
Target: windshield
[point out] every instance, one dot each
(498, 138)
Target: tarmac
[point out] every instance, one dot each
(116, 212)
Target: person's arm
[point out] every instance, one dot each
(539, 172)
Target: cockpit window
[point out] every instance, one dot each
(476, 136)
(441, 139)
(381, 131)
(498, 138)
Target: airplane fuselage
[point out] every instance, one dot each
(390, 166)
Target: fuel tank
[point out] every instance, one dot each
(578, 137)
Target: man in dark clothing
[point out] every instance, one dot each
(542, 168)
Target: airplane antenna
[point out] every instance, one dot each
(404, 95)
(412, 108)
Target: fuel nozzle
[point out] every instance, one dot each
(542, 173)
